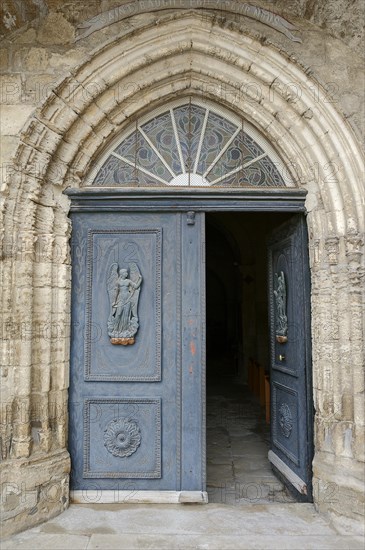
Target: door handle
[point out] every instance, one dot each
(281, 357)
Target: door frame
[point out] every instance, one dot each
(188, 200)
(118, 199)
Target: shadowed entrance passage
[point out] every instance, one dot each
(238, 425)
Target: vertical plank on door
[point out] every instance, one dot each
(193, 353)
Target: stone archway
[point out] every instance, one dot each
(187, 54)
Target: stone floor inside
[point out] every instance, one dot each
(238, 437)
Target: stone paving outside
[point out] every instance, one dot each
(249, 507)
(166, 526)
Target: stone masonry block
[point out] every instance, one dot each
(8, 145)
(67, 59)
(38, 135)
(56, 114)
(81, 95)
(10, 89)
(359, 443)
(42, 274)
(34, 490)
(31, 59)
(93, 115)
(4, 59)
(55, 29)
(61, 251)
(38, 87)
(13, 119)
(28, 37)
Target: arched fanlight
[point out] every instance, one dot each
(191, 143)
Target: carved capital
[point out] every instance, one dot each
(316, 251)
(332, 249)
(21, 447)
(354, 248)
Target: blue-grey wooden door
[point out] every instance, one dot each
(137, 351)
(291, 396)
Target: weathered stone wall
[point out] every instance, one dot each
(342, 19)
(64, 99)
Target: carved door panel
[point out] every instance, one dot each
(137, 361)
(291, 400)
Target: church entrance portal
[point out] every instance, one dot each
(137, 391)
(128, 398)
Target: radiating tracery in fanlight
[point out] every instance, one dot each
(192, 144)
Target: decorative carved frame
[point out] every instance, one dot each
(153, 474)
(156, 376)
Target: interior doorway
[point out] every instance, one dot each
(238, 359)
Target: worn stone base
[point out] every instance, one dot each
(33, 490)
(172, 527)
(339, 492)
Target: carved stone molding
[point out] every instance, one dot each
(332, 249)
(128, 9)
(354, 248)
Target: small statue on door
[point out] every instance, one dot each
(281, 319)
(123, 291)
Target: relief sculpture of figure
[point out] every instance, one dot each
(123, 294)
(281, 321)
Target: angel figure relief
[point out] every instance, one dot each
(281, 321)
(123, 294)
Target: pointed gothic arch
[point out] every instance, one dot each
(120, 83)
